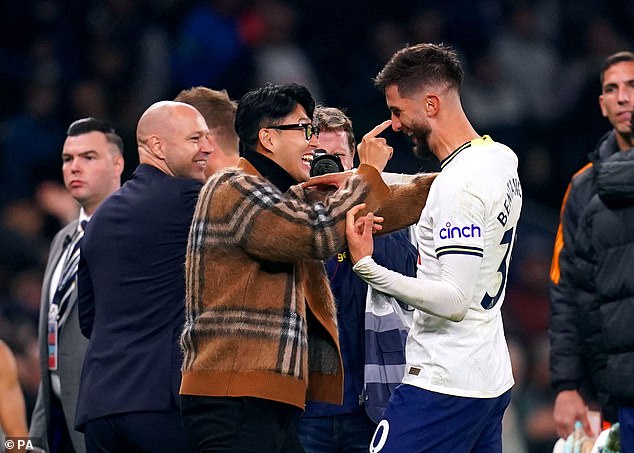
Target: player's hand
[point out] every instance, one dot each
(327, 181)
(570, 407)
(374, 150)
(359, 232)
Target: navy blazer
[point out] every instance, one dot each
(131, 287)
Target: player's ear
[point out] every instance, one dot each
(432, 104)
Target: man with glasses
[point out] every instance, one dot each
(260, 332)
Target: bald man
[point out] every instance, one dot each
(131, 289)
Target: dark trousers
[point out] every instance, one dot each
(151, 432)
(59, 440)
(248, 425)
(336, 433)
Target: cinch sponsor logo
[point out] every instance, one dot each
(469, 231)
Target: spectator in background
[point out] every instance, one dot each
(92, 163)
(569, 370)
(129, 56)
(30, 146)
(520, 42)
(12, 411)
(208, 43)
(219, 112)
(277, 55)
(328, 427)
(131, 289)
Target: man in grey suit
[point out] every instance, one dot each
(92, 163)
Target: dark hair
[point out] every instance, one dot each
(267, 106)
(218, 110)
(614, 59)
(334, 119)
(89, 124)
(421, 65)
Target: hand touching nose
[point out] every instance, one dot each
(374, 150)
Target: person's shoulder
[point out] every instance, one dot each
(484, 154)
(239, 178)
(584, 175)
(66, 230)
(69, 228)
(481, 165)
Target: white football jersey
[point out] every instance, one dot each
(472, 209)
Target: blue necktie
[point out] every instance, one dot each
(68, 277)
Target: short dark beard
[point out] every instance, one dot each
(421, 148)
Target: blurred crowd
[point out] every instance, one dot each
(532, 83)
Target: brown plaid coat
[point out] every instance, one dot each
(260, 318)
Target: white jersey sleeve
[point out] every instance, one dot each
(448, 297)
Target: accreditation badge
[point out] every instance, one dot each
(51, 337)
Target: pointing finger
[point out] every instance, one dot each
(378, 129)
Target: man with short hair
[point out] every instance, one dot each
(569, 370)
(219, 112)
(92, 163)
(260, 335)
(458, 375)
(131, 289)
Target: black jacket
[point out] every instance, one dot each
(603, 280)
(567, 368)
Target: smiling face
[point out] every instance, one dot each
(617, 99)
(186, 144)
(335, 142)
(408, 116)
(289, 147)
(91, 167)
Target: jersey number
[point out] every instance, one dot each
(488, 302)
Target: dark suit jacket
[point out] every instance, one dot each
(72, 347)
(131, 295)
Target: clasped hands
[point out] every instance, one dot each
(359, 232)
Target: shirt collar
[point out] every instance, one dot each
(82, 217)
(475, 142)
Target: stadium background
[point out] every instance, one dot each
(532, 82)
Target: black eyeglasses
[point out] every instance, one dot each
(309, 129)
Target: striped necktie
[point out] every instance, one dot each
(68, 276)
